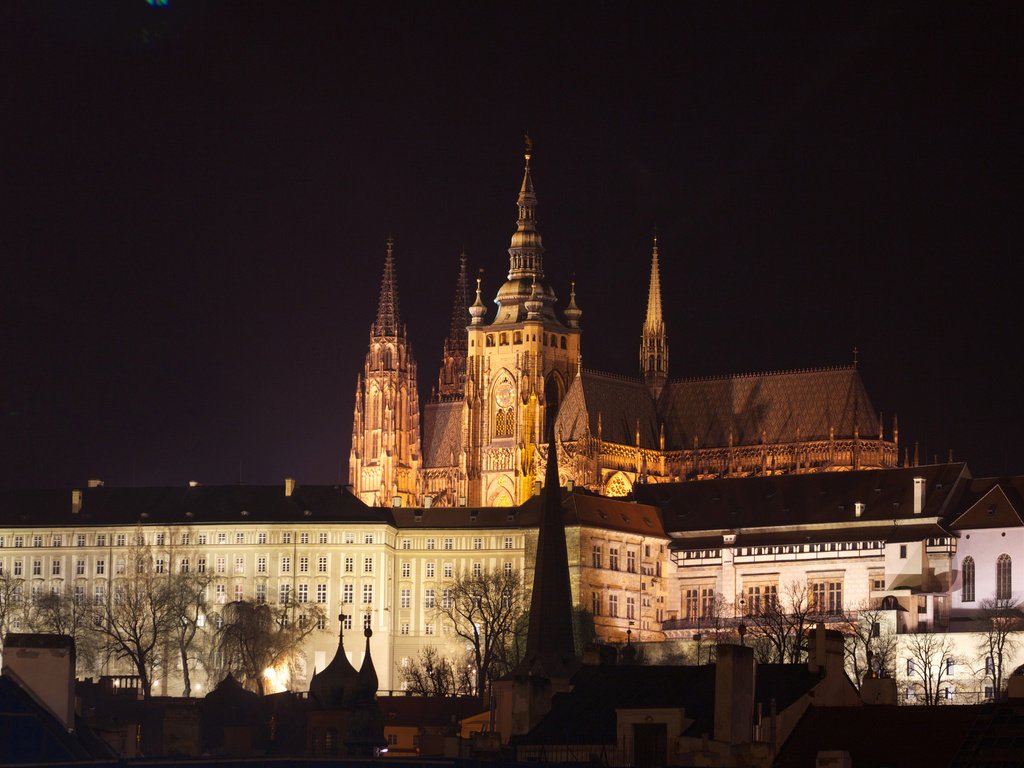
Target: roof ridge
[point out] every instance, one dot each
(758, 374)
(615, 376)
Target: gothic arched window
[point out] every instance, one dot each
(967, 593)
(504, 423)
(1003, 580)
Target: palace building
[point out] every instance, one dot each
(509, 377)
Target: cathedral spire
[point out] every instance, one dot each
(452, 377)
(653, 344)
(387, 323)
(526, 251)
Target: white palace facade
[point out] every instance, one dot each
(929, 546)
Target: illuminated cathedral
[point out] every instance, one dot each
(510, 377)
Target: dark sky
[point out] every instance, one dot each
(195, 201)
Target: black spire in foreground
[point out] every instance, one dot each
(550, 649)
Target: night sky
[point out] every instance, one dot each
(195, 201)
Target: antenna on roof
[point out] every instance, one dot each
(856, 355)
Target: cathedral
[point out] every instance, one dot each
(509, 379)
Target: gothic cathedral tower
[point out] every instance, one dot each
(385, 460)
(653, 343)
(518, 369)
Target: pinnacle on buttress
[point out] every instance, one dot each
(387, 323)
(654, 344)
(526, 250)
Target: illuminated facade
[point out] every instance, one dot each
(384, 463)
(483, 442)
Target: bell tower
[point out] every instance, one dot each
(518, 368)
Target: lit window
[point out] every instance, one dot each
(1003, 577)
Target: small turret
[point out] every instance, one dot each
(477, 309)
(572, 312)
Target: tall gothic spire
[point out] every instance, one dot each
(460, 311)
(387, 323)
(526, 250)
(654, 344)
(452, 378)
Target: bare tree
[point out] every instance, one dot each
(11, 607)
(432, 674)
(777, 625)
(486, 610)
(188, 605)
(254, 637)
(929, 665)
(871, 645)
(69, 613)
(1002, 618)
(134, 619)
(712, 628)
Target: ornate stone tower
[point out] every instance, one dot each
(518, 369)
(653, 344)
(385, 458)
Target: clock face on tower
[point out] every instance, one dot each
(503, 394)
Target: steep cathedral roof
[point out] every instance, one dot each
(780, 407)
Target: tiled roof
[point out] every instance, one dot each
(619, 403)
(199, 505)
(883, 735)
(778, 404)
(442, 425)
(427, 711)
(586, 715)
(991, 502)
(793, 535)
(824, 498)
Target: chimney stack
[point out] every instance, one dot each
(919, 486)
(858, 508)
(94, 482)
(76, 501)
(289, 486)
(734, 694)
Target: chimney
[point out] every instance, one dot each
(396, 501)
(289, 486)
(918, 495)
(536, 488)
(76, 501)
(858, 508)
(734, 694)
(44, 665)
(427, 501)
(825, 652)
(94, 482)
(462, 501)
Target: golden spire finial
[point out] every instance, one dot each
(529, 146)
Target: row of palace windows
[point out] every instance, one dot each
(448, 543)
(517, 338)
(448, 570)
(219, 564)
(1004, 579)
(184, 539)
